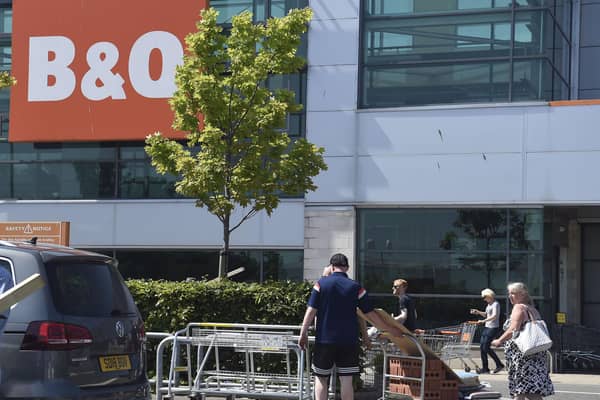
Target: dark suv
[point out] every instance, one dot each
(79, 337)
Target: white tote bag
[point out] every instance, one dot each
(533, 337)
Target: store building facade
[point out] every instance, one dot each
(461, 142)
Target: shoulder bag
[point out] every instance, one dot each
(533, 337)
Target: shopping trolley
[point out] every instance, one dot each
(452, 342)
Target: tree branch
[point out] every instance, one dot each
(250, 214)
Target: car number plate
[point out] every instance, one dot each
(115, 363)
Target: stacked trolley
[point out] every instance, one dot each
(452, 342)
(215, 359)
(415, 365)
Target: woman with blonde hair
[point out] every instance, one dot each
(528, 377)
(491, 322)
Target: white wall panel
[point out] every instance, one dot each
(331, 88)
(572, 128)
(334, 9)
(333, 130)
(440, 178)
(441, 131)
(337, 183)
(333, 42)
(563, 177)
(175, 223)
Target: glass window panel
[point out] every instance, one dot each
(399, 7)
(526, 229)
(469, 4)
(438, 84)
(63, 180)
(5, 58)
(279, 8)
(139, 180)
(426, 272)
(436, 312)
(5, 151)
(283, 265)
(133, 153)
(465, 230)
(295, 126)
(389, 7)
(5, 181)
(6, 20)
(4, 122)
(176, 265)
(435, 38)
(228, 9)
(562, 15)
(591, 270)
(529, 269)
(532, 80)
(590, 248)
(173, 265)
(62, 151)
(250, 261)
(535, 3)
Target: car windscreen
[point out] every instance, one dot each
(89, 289)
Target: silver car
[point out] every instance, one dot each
(79, 337)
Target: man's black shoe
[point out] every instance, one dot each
(498, 369)
(482, 371)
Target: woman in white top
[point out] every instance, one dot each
(490, 331)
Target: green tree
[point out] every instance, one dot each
(238, 153)
(6, 80)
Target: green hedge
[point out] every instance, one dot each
(168, 306)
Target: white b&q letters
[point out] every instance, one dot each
(52, 56)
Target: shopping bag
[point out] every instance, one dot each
(533, 338)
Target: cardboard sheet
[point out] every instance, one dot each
(405, 344)
(18, 292)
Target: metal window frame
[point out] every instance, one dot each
(557, 29)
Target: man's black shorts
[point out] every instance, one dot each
(345, 358)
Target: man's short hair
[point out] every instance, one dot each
(401, 283)
(339, 260)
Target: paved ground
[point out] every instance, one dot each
(567, 386)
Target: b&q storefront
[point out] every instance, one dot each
(453, 198)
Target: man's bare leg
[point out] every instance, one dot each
(347, 391)
(321, 387)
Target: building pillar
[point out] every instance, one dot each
(573, 273)
(327, 230)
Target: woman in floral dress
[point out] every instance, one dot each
(528, 377)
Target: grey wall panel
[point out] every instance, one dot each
(92, 222)
(589, 94)
(331, 88)
(440, 179)
(590, 26)
(443, 131)
(336, 185)
(589, 65)
(333, 42)
(563, 177)
(334, 9)
(552, 129)
(160, 223)
(333, 130)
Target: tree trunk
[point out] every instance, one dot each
(224, 254)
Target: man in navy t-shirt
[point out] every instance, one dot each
(407, 313)
(333, 301)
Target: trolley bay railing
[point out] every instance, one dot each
(243, 360)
